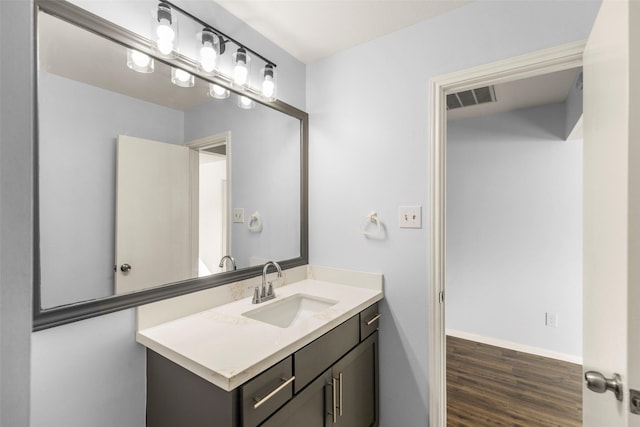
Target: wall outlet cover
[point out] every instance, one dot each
(551, 320)
(410, 216)
(238, 215)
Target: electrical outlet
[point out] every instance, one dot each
(410, 216)
(238, 215)
(551, 320)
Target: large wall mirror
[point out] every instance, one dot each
(147, 189)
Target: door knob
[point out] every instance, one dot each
(125, 268)
(598, 383)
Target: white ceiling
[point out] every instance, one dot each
(546, 89)
(313, 29)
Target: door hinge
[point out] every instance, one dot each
(441, 297)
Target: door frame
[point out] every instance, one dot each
(198, 145)
(545, 61)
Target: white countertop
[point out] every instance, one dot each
(227, 349)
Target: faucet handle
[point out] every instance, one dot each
(270, 291)
(256, 295)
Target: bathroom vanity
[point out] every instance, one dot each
(242, 365)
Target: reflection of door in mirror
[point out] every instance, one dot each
(153, 214)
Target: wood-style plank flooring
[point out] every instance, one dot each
(494, 386)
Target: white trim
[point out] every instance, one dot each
(523, 348)
(532, 64)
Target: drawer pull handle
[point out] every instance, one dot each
(373, 319)
(335, 400)
(259, 402)
(340, 393)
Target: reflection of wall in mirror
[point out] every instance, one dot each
(78, 127)
(265, 168)
(79, 124)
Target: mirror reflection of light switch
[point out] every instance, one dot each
(238, 215)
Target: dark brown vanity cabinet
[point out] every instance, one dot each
(346, 395)
(333, 381)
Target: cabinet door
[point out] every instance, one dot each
(357, 378)
(308, 408)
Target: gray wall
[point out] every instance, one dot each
(369, 138)
(79, 125)
(514, 228)
(16, 209)
(265, 172)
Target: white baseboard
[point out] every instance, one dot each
(516, 346)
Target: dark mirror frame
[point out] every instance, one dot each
(47, 318)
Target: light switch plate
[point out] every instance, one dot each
(410, 216)
(238, 215)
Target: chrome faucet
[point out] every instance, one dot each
(263, 292)
(230, 258)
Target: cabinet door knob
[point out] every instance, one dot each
(125, 268)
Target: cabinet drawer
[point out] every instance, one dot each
(267, 392)
(369, 321)
(315, 358)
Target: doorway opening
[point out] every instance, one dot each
(211, 173)
(536, 64)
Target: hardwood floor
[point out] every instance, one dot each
(494, 386)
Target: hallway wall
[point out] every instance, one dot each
(514, 229)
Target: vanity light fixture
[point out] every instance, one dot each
(269, 82)
(218, 92)
(241, 67)
(166, 29)
(209, 47)
(245, 103)
(182, 78)
(140, 62)
(209, 51)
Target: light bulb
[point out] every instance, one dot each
(165, 29)
(208, 52)
(182, 78)
(139, 61)
(165, 47)
(269, 82)
(182, 75)
(208, 58)
(245, 103)
(241, 67)
(268, 87)
(240, 74)
(218, 92)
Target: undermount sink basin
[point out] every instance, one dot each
(290, 311)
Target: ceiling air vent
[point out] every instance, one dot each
(466, 98)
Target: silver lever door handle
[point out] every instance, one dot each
(598, 383)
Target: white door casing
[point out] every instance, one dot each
(153, 214)
(201, 144)
(521, 67)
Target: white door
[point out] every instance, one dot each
(611, 211)
(153, 214)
